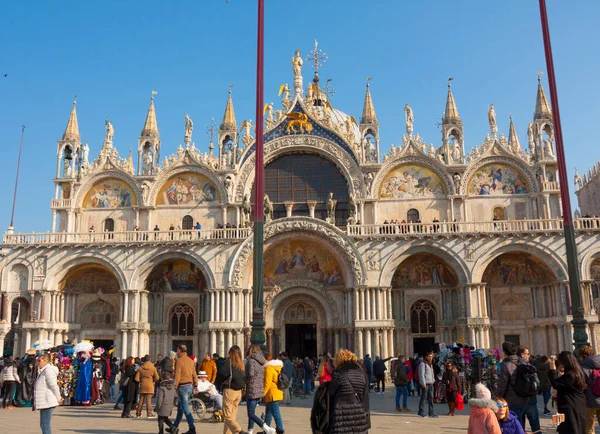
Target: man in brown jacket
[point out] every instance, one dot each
(209, 366)
(186, 381)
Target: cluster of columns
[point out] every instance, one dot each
(372, 304)
(374, 341)
(226, 305)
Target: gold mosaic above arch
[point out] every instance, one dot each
(187, 188)
(110, 193)
(411, 181)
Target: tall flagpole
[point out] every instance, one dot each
(579, 322)
(11, 227)
(258, 320)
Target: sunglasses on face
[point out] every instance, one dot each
(501, 405)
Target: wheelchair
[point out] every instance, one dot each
(202, 407)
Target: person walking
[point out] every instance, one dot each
(308, 375)
(506, 382)
(349, 396)
(482, 419)
(368, 368)
(409, 377)
(209, 366)
(147, 375)
(46, 392)
(543, 368)
(325, 369)
(10, 379)
(128, 386)
(570, 397)
(165, 401)
(255, 387)
(231, 379)
(272, 394)
(426, 383)
(451, 380)
(531, 411)
(288, 370)
(186, 381)
(379, 369)
(401, 382)
(168, 363)
(589, 362)
(114, 370)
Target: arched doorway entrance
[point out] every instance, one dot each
(300, 330)
(423, 326)
(89, 295)
(14, 344)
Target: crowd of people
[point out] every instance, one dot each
(502, 392)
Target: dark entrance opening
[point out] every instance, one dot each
(423, 345)
(301, 340)
(103, 343)
(515, 339)
(189, 344)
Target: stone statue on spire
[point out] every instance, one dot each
(409, 119)
(297, 68)
(110, 133)
(189, 128)
(492, 120)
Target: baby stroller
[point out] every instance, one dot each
(202, 407)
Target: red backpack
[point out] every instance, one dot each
(595, 382)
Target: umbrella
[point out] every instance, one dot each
(83, 346)
(42, 345)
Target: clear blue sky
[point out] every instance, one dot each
(113, 53)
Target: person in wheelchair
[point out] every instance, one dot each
(207, 391)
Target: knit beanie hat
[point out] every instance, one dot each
(482, 391)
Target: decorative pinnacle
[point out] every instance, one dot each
(229, 122)
(153, 93)
(74, 100)
(449, 80)
(368, 80)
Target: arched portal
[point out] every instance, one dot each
(426, 291)
(522, 296)
(181, 327)
(14, 342)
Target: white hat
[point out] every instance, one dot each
(482, 391)
(202, 374)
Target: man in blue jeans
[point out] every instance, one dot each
(186, 381)
(401, 383)
(426, 383)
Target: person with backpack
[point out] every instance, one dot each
(508, 384)
(289, 370)
(590, 365)
(570, 397)
(255, 388)
(401, 383)
(273, 393)
(531, 411)
(543, 368)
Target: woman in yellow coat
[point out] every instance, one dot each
(273, 394)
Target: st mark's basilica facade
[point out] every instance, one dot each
(418, 244)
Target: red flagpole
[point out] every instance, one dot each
(579, 322)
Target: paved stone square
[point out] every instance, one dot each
(103, 419)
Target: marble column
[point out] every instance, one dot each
(368, 304)
(359, 343)
(124, 353)
(368, 347)
(385, 349)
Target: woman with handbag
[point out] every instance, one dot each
(570, 397)
(231, 379)
(451, 380)
(128, 386)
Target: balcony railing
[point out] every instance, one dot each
(449, 228)
(128, 237)
(60, 203)
(550, 185)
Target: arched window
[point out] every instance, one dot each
(499, 213)
(422, 317)
(99, 313)
(187, 223)
(303, 178)
(182, 320)
(412, 216)
(109, 225)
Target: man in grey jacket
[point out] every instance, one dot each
(426, 382)
(506, 381)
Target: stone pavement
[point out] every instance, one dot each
(103, 419)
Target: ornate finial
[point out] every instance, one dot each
(74, 100)
(449, 80)
(210, 132)
(510, 116)
(329, 90)
(540, 76)
(230, 87)
(368, 80)
(317, 57)
(152, 96)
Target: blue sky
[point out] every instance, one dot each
(113, 53)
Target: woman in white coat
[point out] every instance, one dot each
(46, 392)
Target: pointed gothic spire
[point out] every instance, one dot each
(150, 129)
(72, 131)
(229, 122)
(542, 108)
(451, 115)
(130, 162)
(368, 113)
(513, 139)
